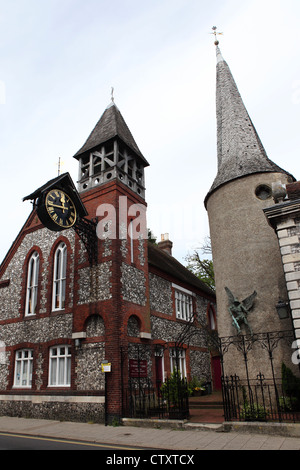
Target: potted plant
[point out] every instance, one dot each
(196, 387)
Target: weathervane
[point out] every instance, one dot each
(214, 28)
(59, 165)
(112, 94)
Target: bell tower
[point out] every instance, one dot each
(112, 188)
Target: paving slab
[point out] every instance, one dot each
(168, 439)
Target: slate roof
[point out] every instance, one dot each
(167, 263)
(110, 125)
(240, 150)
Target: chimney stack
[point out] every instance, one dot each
(293, 190)
(165, 244)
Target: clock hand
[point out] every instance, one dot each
(59, 207)
(63, 200)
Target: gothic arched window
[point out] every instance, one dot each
(59, 277)
(32, 284)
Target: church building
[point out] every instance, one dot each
(90, 310)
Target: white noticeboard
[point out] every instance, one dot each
(106, 367)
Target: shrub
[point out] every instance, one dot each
(174, 389)
(254, 412)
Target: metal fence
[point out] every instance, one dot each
(144, 394)
(147, 401)
(259, 398)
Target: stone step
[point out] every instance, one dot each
(216, 427)
(203, 406)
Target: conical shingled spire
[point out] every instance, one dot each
(240, 151)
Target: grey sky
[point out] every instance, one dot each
(60, 58)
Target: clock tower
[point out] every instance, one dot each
(111, 185)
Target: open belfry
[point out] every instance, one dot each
(250, 279)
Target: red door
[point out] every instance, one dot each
(159, 371)
(216, 366)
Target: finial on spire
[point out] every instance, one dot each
(214, 28)
(112, 102)
(59, 164)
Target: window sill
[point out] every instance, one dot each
(184, 320)
(59, 386)
(21, 387)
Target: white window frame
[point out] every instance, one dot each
(59, 277)
(23, 368)
(60, 366)
(212, 320)
(183, 303)
(159, 352)
(32, 284)
(181, 361)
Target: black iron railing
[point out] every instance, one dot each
(169, 401)
(260, 399)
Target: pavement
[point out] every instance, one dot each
(166, 436)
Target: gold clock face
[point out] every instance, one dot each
(60, 208)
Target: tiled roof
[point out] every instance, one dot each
(167, 263)
(110, 125)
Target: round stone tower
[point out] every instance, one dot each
(245, 248)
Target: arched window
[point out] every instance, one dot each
(59, 277)
(212, 318)
(32, 284)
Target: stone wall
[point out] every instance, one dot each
(133, 284)
(94, 283)
(10, 297)
(88, 370)
(288, 233)
(76, 409)
(160, 294)
(37, 330)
